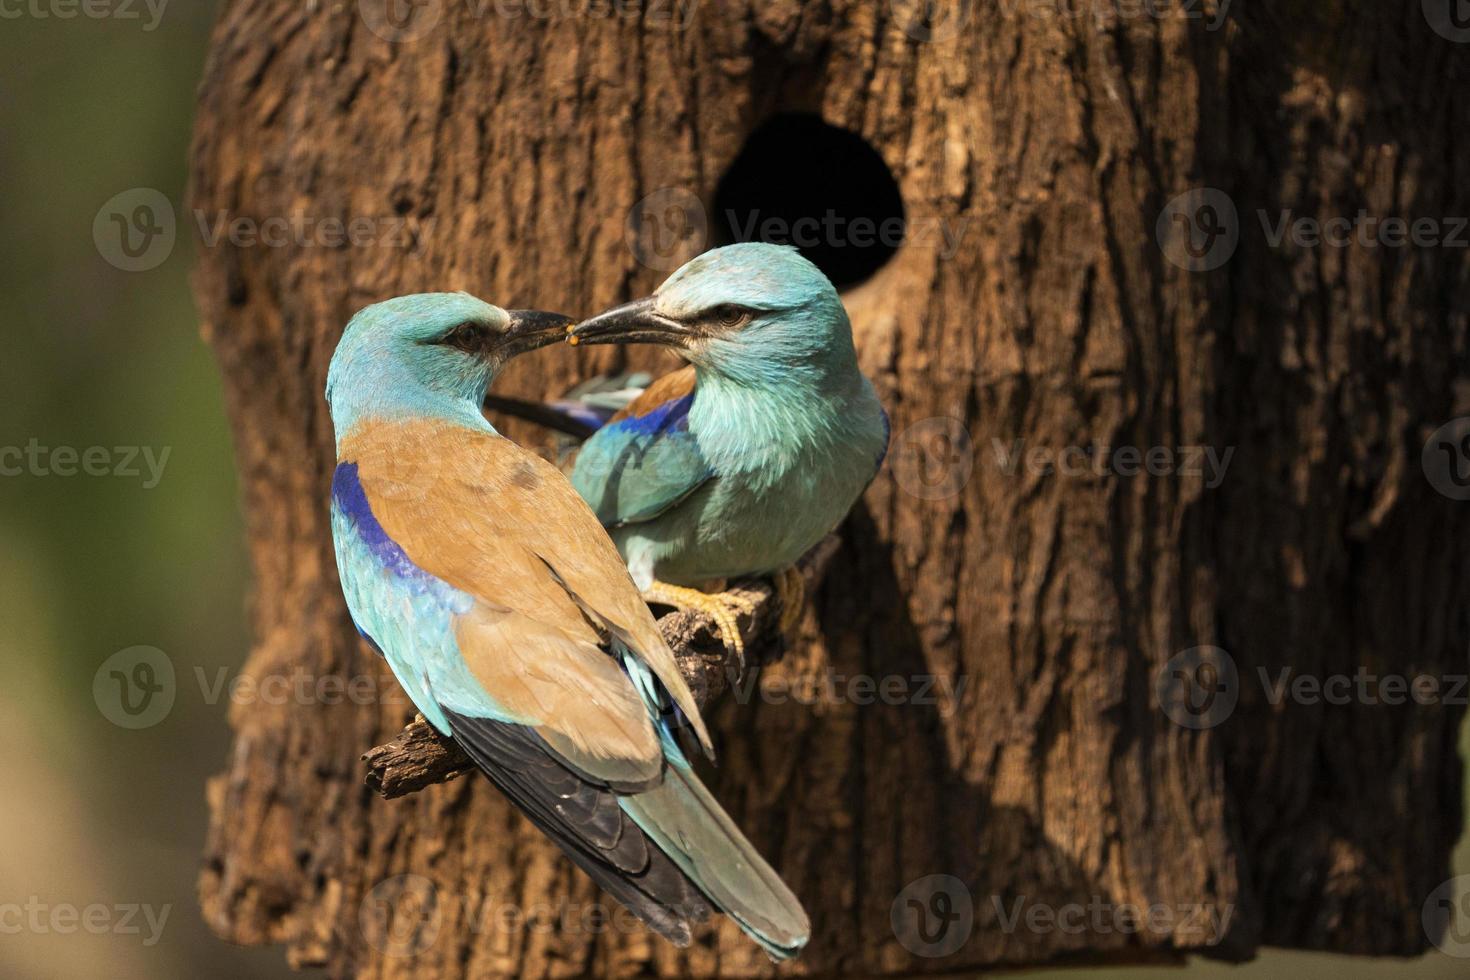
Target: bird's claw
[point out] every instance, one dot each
(721, 608)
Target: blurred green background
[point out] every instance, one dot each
(91, 565)
(95, 356)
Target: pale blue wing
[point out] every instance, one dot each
(639, 465)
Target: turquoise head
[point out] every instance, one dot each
(429, 355)
(755, 313)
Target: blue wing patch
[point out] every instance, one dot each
(637, 467)
(348, 495)
(406, 613)
(671, 416)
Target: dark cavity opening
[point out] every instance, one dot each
(799, 181)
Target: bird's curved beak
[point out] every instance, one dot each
(529, 330)
(631, 323)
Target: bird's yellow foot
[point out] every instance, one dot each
(721, 607)
(791, 589)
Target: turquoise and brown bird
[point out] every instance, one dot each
(509, 618)
(739, 463)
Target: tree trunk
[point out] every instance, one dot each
(513, 149)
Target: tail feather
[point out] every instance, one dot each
(565, 419)
(582, 410)
(669, 853)
(688, 825)
(584, 820)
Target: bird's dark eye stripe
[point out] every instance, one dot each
(731, 315)
(468, 336)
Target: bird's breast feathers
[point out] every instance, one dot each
(778, 474)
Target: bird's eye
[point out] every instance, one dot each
(468, 336)
(731, 316)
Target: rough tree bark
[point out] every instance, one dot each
(519, 144)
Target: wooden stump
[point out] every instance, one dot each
(504, 155)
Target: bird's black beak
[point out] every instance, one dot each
(530, 330)
(631, 323)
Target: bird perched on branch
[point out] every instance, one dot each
(741, 462)
(507, 615)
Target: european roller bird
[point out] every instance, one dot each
(509, 618)
(739, 463)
